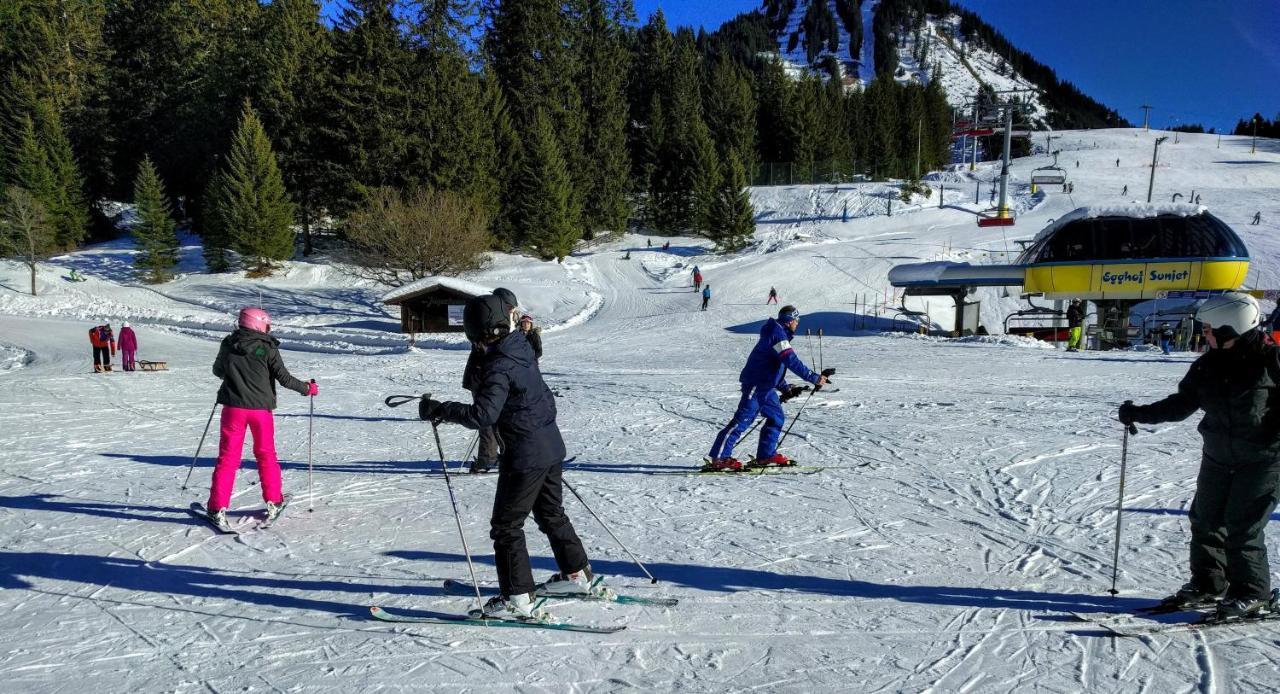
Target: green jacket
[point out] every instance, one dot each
(249, 365)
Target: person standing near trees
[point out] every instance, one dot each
(128, 347)
(1237, 385)
(104, 346)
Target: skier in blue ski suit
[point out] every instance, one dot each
(763, 379)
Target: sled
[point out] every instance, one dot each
(144, 365)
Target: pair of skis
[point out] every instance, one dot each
(1196, 618)
(257, 521)
(464, 588)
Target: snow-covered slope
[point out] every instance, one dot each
(966, 505)
(961, 64)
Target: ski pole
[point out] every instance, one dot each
(606, 529)
(311, 489)
(820, 360)
(808, 336)
(828, 373)
(200, 445)
(1124, 459)
(457, 517)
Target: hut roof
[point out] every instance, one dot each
(427, 285)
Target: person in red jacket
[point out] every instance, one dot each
(128, 347)
(104, 345)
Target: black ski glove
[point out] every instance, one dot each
(428, 409)
(1128, 413)
(792, 392)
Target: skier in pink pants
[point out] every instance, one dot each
(249, 365)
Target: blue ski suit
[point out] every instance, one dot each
(763, 378)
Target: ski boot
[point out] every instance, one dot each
(273, 510)
(577, 583)
(219, 518)
(516, 608)
(775, 460)
(480, 467)
(1235, 609)
(1190, 597)
(722, 465)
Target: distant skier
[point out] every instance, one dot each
(1125, 191)
(697, 280)
(249, 365)
(532, 334)
(1166, 338)
(512, 397)
(773, 296)
(1075, 323)
(763, 379)
(1117, 162)
(1234, 383)
(128, 347)
(1257, 218)
(104, 346)
(706, 296)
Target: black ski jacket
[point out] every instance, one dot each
(1238, 390)
(249, 365)
(1075, 315)
(535, 341)
(471, 373)
(511, 394)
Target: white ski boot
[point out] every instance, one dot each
(577, 583)
(219, 518)
(273, 511)
(522, 608)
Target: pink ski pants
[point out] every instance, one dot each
(234, 422)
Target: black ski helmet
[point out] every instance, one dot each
(508, 297)
(484, 317)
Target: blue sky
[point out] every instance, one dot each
(1205, 61)
(1194, 61)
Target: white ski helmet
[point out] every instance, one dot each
(1230, 315)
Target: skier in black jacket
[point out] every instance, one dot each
(512, 396)
(1075, 323)
(532, 334)
(1237, 384)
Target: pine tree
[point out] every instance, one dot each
(733, 216)
(155, 229)
(652, 46)
(251, 201)
(213, 232)
(542, 207)
(371, 103)
(730, 109)
(705, 178)
(653, 142)
(532, 46)
(507, 157)
(605, 62)
(68, 210)
(295, 52)
(675, 169)
(773, 94)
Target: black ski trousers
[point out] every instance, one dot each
(539, 491)
(1228, 515)
(102, 357)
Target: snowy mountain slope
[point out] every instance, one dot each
(983, 513)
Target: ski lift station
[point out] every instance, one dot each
(1115, 256)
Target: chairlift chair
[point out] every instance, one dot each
(992, 218)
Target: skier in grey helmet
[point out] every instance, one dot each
(1237, 385)
(511, 396)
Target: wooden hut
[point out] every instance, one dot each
(433, 304)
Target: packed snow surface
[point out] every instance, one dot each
(966, 503)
